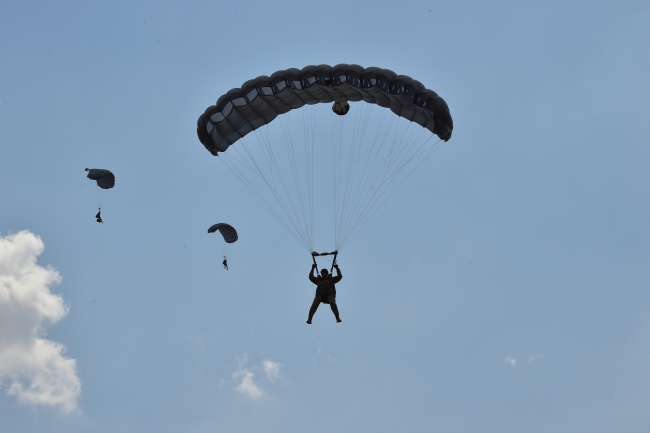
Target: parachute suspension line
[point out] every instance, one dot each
(369, 167)
(252, 165)
(428, 152)
(248, 184)
(100, 196)
(314, 123)
(273, 162)
(380, 190)
(369, 163)
(354, 194)
(306, 198)
(298, 183)
(403, 150)
(337, 148)
(345, 182)
(334, 172)
(337, 144)
(228, 161)
(412, 143)
(293, 215)
(351, 162)
(302, 224)
(345, 215)
(309, 122)
(286, 134)
(374, 202)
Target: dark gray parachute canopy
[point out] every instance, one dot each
(227, 231)
(261, 100)
(105, 179)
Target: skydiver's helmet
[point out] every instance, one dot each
(341, 108)
(324, 272)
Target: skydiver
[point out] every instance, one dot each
(99, 216)
(225, 263)
(325, 290)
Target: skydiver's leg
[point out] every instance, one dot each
(334, 307)
(313, 308)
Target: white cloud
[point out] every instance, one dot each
(272, 369)
(512, 361)
(246, 384)
(245, 377)
(32, 368)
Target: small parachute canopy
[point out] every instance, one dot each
(227, 231)
(105, 179)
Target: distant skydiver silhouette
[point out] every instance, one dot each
(225, 263)
(325, 290)
(99, 216)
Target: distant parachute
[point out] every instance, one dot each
(105, 179)
(227, 231)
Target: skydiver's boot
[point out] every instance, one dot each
(335, 310)
(312, 311)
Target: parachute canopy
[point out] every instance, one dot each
(227, 231)
(257, 102)
(373, 150)
(105, 179)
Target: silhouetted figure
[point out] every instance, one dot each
(225, 263)
(325, 290)
(99, 216)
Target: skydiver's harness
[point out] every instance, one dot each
(326, 284)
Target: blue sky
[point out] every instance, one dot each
(504, 288)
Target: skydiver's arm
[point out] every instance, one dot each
(339, 275)
(312, 277)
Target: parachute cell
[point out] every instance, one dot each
(227, 231)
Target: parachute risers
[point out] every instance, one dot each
(341, 108)
(314, 254)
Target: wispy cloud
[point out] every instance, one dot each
(272, 369)
(245, 377)
(512, 361)
(534, 358)
(246, 384)
(32, 368)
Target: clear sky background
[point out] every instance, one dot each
(503, 289)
